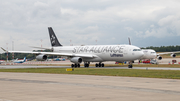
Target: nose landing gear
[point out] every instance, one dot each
(130, 64)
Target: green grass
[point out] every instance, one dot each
(168, 74)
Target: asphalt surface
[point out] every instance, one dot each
(63, 87)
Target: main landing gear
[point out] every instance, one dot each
(75, 65)
(86, 64)
(99, 64)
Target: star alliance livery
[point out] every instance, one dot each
(89, 53)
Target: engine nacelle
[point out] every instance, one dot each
(41, 57)
(159, 57)
(173, 55)
(76, 60)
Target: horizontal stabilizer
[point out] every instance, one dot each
(3, 49)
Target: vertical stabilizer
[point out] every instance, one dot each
(53, 38)
(24, 59)
(129, 41)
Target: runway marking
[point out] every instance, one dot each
(92, 85)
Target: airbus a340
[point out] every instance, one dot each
(89, 53)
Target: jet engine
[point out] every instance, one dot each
(159, 57)
(173, 55)
(41, 57)
(76, 60)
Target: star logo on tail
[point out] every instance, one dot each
(53, 40)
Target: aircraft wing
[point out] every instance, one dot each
(56, 53)
(168, 52)
(41, 47)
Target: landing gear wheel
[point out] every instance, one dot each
(78, 65)
(75, 65)
(72, 65)
(130, 66)
(102, 64)
(86, 65)
(97, 65)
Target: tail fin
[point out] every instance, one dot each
(53, 38)
(129, 41)
(24, 59)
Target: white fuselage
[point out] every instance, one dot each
(104, 52)
(18, 61)
(149, 54)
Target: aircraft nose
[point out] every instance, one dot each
(141, 53)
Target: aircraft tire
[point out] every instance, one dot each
(130, 66)
(86, 65)
(75, 65)
(102, 64)
(97, 65)
(78, 65)
(72, 65)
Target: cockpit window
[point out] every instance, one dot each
(136, 49)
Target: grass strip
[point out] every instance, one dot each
(167, 74)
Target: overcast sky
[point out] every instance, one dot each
(146, 22)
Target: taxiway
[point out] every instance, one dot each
(65, 87)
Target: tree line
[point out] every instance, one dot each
(164, 48)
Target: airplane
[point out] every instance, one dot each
(20, 61)
(2, 61)
(89, 53)
(151, 54)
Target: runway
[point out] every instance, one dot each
(62, 87)
(31, 66)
